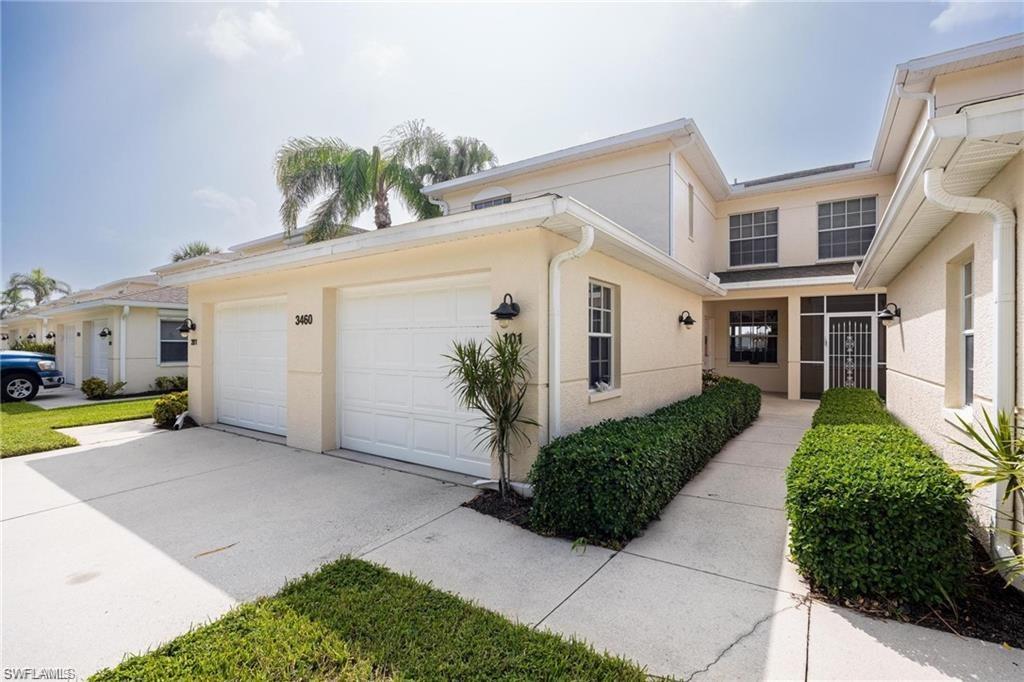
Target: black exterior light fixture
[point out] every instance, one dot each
(187, 327)
(505, 312)
(686, 319)
(51, 335)
(889, 314)
(105, 332)
(31, 336)
(4, 337)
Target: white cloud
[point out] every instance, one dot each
(380, 58)
(960, 14)
(233, 36)
(240, 213)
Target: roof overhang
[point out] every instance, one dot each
(194, 262)
(973, 146)
(563, 216)
(790, 282)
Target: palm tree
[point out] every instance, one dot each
(355, 179)
(11, 301)
(193, 249)
(40, 285)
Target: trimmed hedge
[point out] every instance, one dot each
(606, 482)
(851, 406)
(167, 408)
(874, 512)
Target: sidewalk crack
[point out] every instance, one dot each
(745, 635)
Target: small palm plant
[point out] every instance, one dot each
(1002, 461)
(492, 377)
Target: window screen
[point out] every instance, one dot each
(754, 238)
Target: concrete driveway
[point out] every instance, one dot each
(119, 546)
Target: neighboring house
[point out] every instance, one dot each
(606, 246)
(126, 330)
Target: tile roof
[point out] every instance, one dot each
(789, 272)
(159, 295)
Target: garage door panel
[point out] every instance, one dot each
(416, 416)
(250, 365)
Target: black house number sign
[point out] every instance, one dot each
(303, 319)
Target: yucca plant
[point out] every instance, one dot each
(1001, 456)
(492, 377)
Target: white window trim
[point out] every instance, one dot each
(818, 230)
(616, 389)
(160, 341)
(689, 207)
(965, 332)
(778, 240)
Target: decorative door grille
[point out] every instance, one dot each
(849, 352)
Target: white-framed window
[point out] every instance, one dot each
(493, 201)
(689, 206)
(754, 238)
(172, 348)
(967, 329)
(754, 336)
(601, 336)
(846, 227)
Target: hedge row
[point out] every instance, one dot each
(873, 511)
(606, 482)
(851, 406)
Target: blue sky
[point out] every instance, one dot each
(128, 129)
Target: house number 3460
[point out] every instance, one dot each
(304, 319)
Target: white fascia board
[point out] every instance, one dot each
(580, 152)
(860, 171)
(190, 263)
(114, 303)
(970, 57)
(790, 282)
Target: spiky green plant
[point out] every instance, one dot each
(492, 377)
(1001, 461)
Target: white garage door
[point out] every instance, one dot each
(250, 365)
(393, 386)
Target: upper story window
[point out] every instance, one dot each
(173, 348)
(845, 228)
(493, 201)
(601, 336)
(754, 238)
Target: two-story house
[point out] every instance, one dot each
(635, 264)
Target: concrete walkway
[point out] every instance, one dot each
(72, 396)
(118, 546)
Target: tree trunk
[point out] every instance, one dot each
(381, 211)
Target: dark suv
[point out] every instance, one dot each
(22, 373)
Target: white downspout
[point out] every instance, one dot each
(672, 200)
(122, 345)
(555, 328)
(1003, 295)
(923, 96)
(440, 203)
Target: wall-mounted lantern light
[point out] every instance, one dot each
(889, 314)
(51, 335)
(505, 312)
(105, 332)
(187, 327)
(4, 337)
(686, 319)
(31, 336)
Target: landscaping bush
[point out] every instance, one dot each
(175, 383)
(851, 406)
(874, 512)
(33, 347)
(606, 482)
(95, 388)
(168, 407)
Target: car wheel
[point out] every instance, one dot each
(20, 387)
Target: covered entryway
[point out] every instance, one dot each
(99, 351)
(250, 365)
(394, 399)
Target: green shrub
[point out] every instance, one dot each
(95, 388)
(851, 406)
(606, 482)
(174, 383)
(168, 407)
(874, 512)
(33, 347)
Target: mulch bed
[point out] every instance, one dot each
(513, 509)
(991, 611)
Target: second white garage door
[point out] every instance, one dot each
(250, 365)
(394, 395)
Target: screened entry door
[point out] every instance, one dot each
(850, 351)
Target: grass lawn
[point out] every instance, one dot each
(352, 620)
(26, 428)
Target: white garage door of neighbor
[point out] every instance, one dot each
(250, 365)
(393, 386)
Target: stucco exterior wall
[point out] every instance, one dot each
(631, 188)
(954, 90)
(696, 251)
(798, 217)
(770, 377)
(924, 376)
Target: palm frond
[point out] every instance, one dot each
(306, 168)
